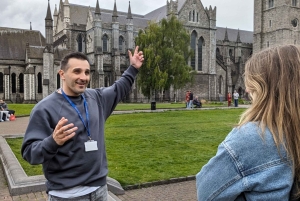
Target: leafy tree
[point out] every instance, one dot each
(166, 52)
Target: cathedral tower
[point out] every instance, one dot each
(276, 22)
(48, 56)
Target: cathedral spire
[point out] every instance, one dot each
(48, 16)
(30, 26)
(226, 35)
(115, 13)
(129, 15)
(55, 11)
(238, 39)
(97, 11)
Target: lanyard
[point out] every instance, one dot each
(87, 126)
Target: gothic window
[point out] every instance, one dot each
(197, 17)
(1, 83)
(294, 2)
(200, 53)
(193, 16)
(21, 83)
(268, 44)
(220, 84)
(230, 52)
(106, 81)
(271, 3)
(193, 47)
(79, 42)
(13, 83)
(121, 44)
(105, 43)
(57, 81)
(39, 79)
(190, 16)
(270, 23)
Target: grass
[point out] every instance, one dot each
(25, 109)
(145, 147)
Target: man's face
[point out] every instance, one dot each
(76, 77)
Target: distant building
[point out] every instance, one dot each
(29, 62)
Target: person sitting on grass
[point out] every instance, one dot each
(4, 107)
(197, 103)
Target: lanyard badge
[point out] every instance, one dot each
(90, 145)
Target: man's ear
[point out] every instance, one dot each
(62, 74)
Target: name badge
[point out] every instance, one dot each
(91, 145)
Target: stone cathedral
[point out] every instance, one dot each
(29, 61)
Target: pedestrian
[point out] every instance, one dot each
(191, 98)
(187, 99)
(229, 99)
(236, 98)
(260, 158)
(66, 130)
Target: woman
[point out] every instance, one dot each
(229, 99)
(260, 159)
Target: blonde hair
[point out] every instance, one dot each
(272, 77)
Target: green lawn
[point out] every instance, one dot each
(145, 147)
(25, 109)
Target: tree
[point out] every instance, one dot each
(166, 52)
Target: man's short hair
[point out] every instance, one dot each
(76, 55)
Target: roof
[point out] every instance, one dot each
(13, 42)
(245, 36)
(36, 52)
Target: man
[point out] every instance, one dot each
(236, 98)
(66, 130)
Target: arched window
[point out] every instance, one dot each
(40, 86)
(200, 53)
(190, 16)
(57, 81)
(79, 43)
(21, 83)
(193, 47)
(271, 3)
(220, 83)
(230, 52)
(294, 2)
(106, 81)
(193, 16)
(197, 17)
(121, 44)
(105, 43)
(1, 83)
(13, 83)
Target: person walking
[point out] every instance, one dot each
(236, 98)
(260, 158)
(191, 98)
(229, 99)
(67, 137)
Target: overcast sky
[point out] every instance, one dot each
(236, 14)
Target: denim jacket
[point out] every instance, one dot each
(247, 166)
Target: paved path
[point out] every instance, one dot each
(180, 191)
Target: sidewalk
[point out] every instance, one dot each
(180, 191)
